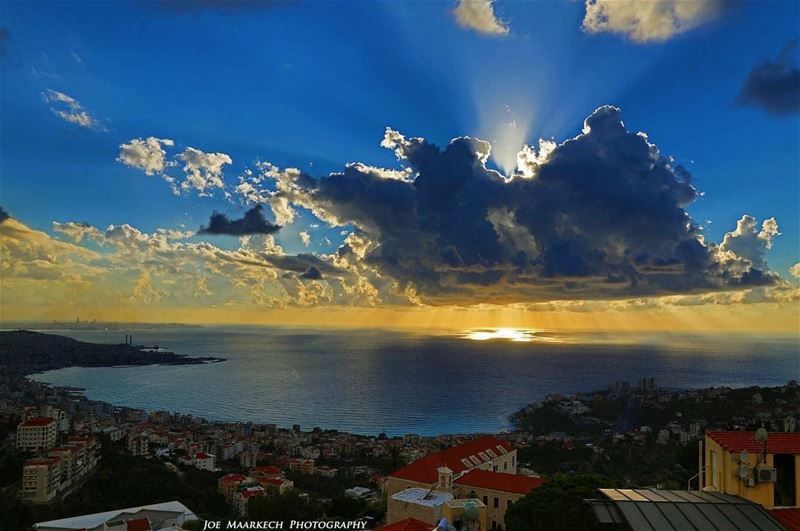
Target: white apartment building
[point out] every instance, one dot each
(41, 479)
(37, 433)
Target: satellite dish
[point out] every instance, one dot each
(744, 455)
(761, 436)
(471, 512)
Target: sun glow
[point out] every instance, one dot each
(508, 137)
(519, 335)
(505, 121)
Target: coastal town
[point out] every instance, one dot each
(56, 444)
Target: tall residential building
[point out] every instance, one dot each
(138, 444)
(37, 433)
(229, 484)
(41, 479)
(71, 466)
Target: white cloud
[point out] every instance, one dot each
(77, 231)
(479, 15)
(69, 109)
(648, 21)
(148, 155)
(795, 270)
(305, 237)
(750, 243)
(203, 170)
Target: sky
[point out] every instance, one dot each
(599, 164)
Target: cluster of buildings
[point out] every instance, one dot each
(747, 481)
(468, 480)
(61, 461)
(239, 489)
(476, 481)
(687, 425)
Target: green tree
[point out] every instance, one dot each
(557, 505)
(282, 507)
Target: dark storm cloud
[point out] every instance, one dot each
(253, 222)
(775, 85)
(601, 215)
(312, 274)
(3, 214)
(302, 264)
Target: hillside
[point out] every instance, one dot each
(29, 352)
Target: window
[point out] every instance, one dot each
(474, 459)
(491, 453)
(513, 460)
(505, 465)
(496, 503)
(466, 463)
(483, 456)
(508, 504)
(486, 500)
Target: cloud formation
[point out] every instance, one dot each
(202, 171)
(650, 21)
(147, 155)
(253, 222)
(69, 109)
(774, 85)
(747, 242)
(479, 16)
(599, 216)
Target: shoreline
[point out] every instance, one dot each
(502, 422)
(512, 427)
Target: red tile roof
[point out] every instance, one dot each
(233, 478)
(271, 481)
(777, 443)
(202, 455)
(790, 518)
(424, 470)
(38, 421)
(409, 524)
(486, 479)
(140, 524)
(266, 469)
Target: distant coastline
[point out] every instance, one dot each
(385, 381)
(25, 352)
(93, 324)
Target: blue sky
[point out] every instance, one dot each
(313, 85)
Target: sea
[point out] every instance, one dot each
(397, 382)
